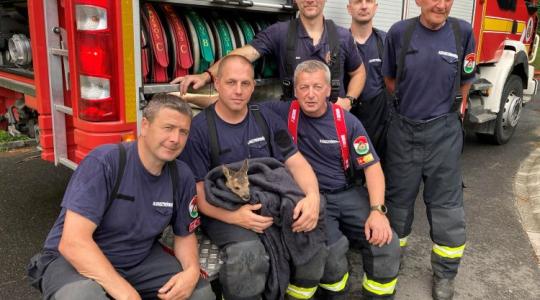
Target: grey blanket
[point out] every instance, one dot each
(272, 186)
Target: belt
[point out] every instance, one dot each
(182, 56)
(422, 123)
(159, 46)
(206, 53)
(337, 190)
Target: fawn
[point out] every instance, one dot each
(237, 181)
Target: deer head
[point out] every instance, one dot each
(237, 181)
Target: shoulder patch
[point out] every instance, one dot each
(362, 160)
(193, 210)
(469, 63)
(194, 224)
(361, 145)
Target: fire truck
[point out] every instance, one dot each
(75, 74)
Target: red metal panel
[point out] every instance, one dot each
(41, 80)
(88, 135)
(86, 141)
(31, 102)
(492, 36)
(17, 77)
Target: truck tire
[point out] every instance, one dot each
(509, 112)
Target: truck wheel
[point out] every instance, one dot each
(509, 112)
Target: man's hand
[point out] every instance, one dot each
(345, 103)
(247, 218)
(306, 213)
(377, 229)
(197, 80)
(180, 286)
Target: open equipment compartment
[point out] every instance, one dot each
(188, 36)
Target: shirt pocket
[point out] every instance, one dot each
(331, 149)
(450, 62)
(161, 217)
(258, 149)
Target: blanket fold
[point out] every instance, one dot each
(272, 186)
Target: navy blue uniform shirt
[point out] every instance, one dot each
(426, 88)
(128, 230)
(236, 141)
(273, 41)
(318, 143)
(369, 51)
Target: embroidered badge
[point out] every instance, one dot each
(469, 63)
(194, 224)
(362, 160)
(361, 145)
(193, 210)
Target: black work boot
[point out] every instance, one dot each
(443, 288)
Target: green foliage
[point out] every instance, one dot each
(6, 137)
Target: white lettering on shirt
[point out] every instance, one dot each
(375, 60)
(453, 55)
(162, 204)
(328, 141)
(256, 140)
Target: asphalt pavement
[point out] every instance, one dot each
(499, 261)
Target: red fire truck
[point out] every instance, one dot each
(75, 73)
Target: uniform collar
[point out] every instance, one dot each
(302, 33)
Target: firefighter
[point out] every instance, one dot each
(119, 200)
(237, 132)
(372, 107)
(427, 61)
(352, 212)
(291, 42)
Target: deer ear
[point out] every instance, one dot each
(226, 171)
(245, 167)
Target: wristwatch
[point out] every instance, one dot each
(352, 99)
(380, 208)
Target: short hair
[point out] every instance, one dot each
(225, 60)
(163, 100)
(375, 1)
(311, 66)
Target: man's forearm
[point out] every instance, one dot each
(90, 262)
(375, 184)
(357, 82)
(186, 251)
(303, 174)
(465, 95)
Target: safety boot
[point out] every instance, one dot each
(443, 288)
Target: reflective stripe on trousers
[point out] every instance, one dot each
(301, 292)
(378, 288)
(336, 286)
(449, 252)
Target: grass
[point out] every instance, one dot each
(6, 137)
